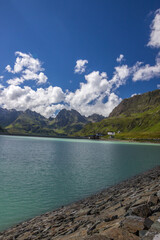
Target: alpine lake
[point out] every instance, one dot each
(41, 174)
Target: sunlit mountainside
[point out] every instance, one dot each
(137, 117)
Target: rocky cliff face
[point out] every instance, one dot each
(68, 117)
(127, 211)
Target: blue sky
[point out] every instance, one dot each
(115, 45)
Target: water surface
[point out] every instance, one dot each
(41, 174)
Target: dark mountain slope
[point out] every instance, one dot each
(8, 116)
(68, 117)
(1, 130)
(95, 118)
(137, 104)
(68, 122)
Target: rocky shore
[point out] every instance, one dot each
(127, 211)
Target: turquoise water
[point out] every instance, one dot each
(41, 174)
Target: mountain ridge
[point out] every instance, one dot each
(29, 122)
(137, 117)
(137, 104)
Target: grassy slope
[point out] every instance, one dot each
(144, 125)
(26, 124)
(68, 130)
(37, 125)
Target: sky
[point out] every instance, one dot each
(86, 55)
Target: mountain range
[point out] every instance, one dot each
(29, 122)
(137, 118)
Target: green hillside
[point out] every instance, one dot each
(134, 118)
(30, 122)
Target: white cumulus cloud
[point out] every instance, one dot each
(80, 66)
(155, 31)
(147, 71)
(28, 67)
(120, 75)
(97, 95)
(24, 60)
(15, 81)
(9, 69)
(120, 58)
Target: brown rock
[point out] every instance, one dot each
(155, 208)
(152, 200)
(133, 224)
(141, 210)
(97, 237)
(158, 194)
(140, 201)
(120, 234)
(110, 218)
(155, 216)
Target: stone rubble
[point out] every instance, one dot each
(127, 211)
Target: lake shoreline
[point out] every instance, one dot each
(151, 141)
(127, 210)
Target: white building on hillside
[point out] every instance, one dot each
(111, 133)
